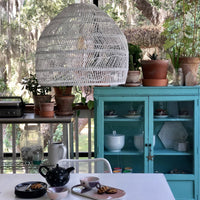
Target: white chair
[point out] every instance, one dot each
(95, 165)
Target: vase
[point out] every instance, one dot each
(178, 79)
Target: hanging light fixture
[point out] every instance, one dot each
(82, 46)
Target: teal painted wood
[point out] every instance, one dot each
(184, 186)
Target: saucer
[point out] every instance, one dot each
(133, 84)
(132, 116)
(160, 116)
(111, 116)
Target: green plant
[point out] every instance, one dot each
(174, 56)
(84, 99)
(31, 84)
(153, 56)
(182, 31)
(135, 55)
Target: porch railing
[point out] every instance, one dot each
(81, 127)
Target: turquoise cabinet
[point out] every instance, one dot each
(161, 129)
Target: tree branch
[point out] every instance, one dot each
(149, 11)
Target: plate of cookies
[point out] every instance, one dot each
(31, 189)
(99, 192)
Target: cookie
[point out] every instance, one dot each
(36, 186)
(102, 189)
(111, 191)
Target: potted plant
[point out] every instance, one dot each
(182, 32)
(154, 71)
(134, 75)
(40, 93)
(64, 100)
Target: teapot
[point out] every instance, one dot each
(57, 176)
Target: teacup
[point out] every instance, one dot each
(89, 182)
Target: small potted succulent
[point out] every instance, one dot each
(134, 74)
(40, 93)
(154, 71)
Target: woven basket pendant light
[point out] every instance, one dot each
(82, 46)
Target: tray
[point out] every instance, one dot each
(92, 194)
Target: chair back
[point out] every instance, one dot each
(95, 165)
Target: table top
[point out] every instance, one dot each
(136, 186)
(32, 118)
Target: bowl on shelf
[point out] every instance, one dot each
(114, 142)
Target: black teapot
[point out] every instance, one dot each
(57, 176)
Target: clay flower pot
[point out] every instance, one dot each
(190, 67)
(155, 82)
(64, 105)
(63, 91)
(154, 69)
(40, 99)
(133, 78)
(46, 109)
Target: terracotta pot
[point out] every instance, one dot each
(63, 91)
(40, 99)
(154, 69)
(46, 107)
(155, 82)
(64, 105)
(190, 67)
(133, 77)
(46, 113)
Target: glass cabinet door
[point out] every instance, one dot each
(124, 134)
(174, 130)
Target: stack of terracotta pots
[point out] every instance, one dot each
(155, 72)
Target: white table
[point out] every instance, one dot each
(136, 186)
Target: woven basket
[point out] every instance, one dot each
(82, 46)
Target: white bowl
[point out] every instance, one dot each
(56, 193)
(139, 142)
(114, 143)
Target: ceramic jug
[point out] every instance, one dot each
(56, 152)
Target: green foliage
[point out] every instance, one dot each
(3, 86)
(135, 55)
(31, 84)
(90, 104)
(112, 11)
(174, 56)
(8, 137)
(57, 136)
(182, 31)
